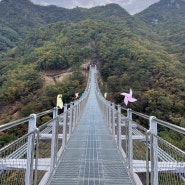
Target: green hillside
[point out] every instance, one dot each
(167, 15)
(167, 19)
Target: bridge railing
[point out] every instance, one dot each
(154, 158)
(149, 158)
(33, 158)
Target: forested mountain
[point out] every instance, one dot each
(167, 19)
(165, 15)
(19, 17)
(40, 43)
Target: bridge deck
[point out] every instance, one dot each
(91, 156)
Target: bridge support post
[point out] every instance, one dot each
(79, 107)
(130, 141)
(153, 151)
(55, 112)
(113, 120)
(109, 115)
(64, 139)
(71, 119)
(119, 128)
(105, 111)
(30, 150)
(77, 110)
(54, 141)
(74, 117)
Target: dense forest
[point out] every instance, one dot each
(144, 52)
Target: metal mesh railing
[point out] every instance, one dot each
(171, 163)
(44, 152)
(135, 139)
(13, 160)
(45, 135)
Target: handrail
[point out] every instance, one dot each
(170, 125)
(14, 123)
(44, 113)
(17, 141)
(22, 120)
(161, 122)
(140, 114)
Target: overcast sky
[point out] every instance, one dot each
(132, 6)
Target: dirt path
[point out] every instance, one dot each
(54, 76)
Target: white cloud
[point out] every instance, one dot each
(132, 6)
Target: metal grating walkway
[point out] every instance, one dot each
(91, 156)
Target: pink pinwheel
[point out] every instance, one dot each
(76, 95)
(128, 97)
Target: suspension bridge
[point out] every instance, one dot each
(93, 142)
